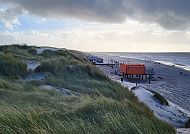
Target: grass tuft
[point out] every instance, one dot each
(187, 124)
(161, 99)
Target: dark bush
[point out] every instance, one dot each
(161, 99)
(187, 124)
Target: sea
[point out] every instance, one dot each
(181, 60)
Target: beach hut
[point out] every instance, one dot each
(134, 71)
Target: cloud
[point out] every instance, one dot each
(107, 40)
(9, 16)
(170, 14)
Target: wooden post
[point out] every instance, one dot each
(132, 78)
(149, 78)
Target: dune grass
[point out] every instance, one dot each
(187, 124)
(160, 98)
(45, 112)
(11, 67)
(103, 106)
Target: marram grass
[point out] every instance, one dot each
(102, 106)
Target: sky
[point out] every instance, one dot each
(98, 25)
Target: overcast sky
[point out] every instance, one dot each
(98, 25)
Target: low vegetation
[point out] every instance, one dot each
(187, 124)
(11, 67)
(161, 99)
(101, 106)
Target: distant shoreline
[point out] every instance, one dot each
(146, 57)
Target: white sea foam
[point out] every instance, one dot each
(180, 60)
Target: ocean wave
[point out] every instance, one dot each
(180, 60)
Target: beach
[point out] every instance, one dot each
(170, 81)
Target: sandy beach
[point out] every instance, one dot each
(168, 80)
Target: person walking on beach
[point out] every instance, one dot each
(181, 73)
(122, 80)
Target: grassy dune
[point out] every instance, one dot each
(11, 67)
(103, 106)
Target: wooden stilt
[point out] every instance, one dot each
(149, 79)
